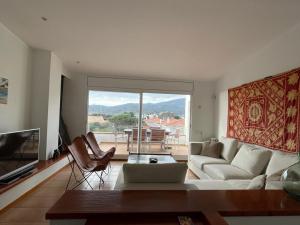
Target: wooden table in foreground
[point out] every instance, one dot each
(163, 207)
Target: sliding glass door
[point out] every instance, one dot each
(113, 117)
(150, 123)
(165, 120)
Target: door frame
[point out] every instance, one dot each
(140, 92)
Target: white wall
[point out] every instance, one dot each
(47, 72)
(34, 78)
(280, 55)
(202, 111)
(56, 71)
(15, 65)
(40, 92)
(75, 107)
(75, 104)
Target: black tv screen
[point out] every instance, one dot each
(18, 150)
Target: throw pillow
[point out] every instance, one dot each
(212, 149)
(251, 159)
(229, 148)
(257, 183)
(278, 163)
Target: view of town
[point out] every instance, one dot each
(112, 116)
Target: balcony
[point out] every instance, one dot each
(114, 117)
(175, 145)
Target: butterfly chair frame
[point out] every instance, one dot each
(72, 165)
(85, 164)
(92, 143)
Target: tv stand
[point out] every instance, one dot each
(21, 174)
(43, 170)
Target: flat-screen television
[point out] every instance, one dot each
(19, 152)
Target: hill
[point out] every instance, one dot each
(176, 106)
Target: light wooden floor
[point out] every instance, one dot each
(31, 208)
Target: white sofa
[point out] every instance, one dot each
(238, 165)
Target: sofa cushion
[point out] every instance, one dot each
(219, 184)
(212, 149)
(251, 159)
(257, 183)
(274, 185)
(195, 148)
(200, 160)
(278, 163)
(210, 184)
(226, 172)
(154, 173)
(229, 148)
(239, 184)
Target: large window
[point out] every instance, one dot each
(163, 127)
(165, 117)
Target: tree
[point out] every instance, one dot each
(123, 120)
(98, 127)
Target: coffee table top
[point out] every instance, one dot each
(144, 158)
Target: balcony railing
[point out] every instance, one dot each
(176, 146)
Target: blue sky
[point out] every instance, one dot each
(119, 98)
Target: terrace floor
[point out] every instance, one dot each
(154, 148)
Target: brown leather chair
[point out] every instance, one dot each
(91, 141)
(85, 164)
(135, 136)
(158, 136)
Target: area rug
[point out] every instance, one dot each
(266, 112)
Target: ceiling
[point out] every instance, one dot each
(182, 39)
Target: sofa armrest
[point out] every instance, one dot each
(195, 148)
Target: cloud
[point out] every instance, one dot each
(118, 98)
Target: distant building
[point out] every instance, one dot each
(170, 124)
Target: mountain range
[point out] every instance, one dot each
(176, 106)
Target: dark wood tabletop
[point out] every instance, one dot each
(92, 204)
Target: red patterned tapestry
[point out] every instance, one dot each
(266, 112)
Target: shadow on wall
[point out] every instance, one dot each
(221, 113)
